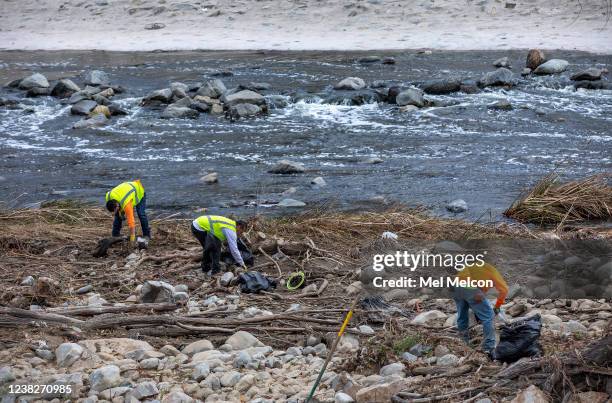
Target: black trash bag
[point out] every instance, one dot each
(104, 244)
(245, 252)
(253, 282)
(519, 339)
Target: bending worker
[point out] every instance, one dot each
(121, 201)
(475, 299)
(211, 231)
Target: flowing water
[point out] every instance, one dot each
(431, 156)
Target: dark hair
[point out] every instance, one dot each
(111, 205)
(241, 224)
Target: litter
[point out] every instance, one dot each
(519, 339)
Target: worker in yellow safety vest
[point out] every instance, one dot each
(211, 231)
(122, 200)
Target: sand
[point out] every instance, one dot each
(306, 25)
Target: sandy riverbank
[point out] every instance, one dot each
(305, 25)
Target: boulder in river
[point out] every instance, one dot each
(501, 105)
(35, 80)
(369, 59)
(94, 121)
(243, 97)
(179, 112)
(593, 85)
(457, 206)
(277, 101)
(101, 109)
(590, 74)
(439, 87)
(287, 167)
(244, 110)
(351, 83)
(411, 96)
(502, 62)
(553, 66)
(179, 90)
(499, 77)
(83, 107)
(164, 96)
(116, 110)
(213, 89)
(535, 57)
(38, 92)
(254, 86)
(64, 88)
(96, 78)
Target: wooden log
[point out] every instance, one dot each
(98, 310)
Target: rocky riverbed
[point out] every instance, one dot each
(461, 132)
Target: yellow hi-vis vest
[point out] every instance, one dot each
(126, 192)
(217, 223)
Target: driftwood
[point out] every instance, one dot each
(98, 310)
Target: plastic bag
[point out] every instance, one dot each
(519, 339)
(253, 282)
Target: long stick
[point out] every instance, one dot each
(333, 348)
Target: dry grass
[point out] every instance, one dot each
(552, 202)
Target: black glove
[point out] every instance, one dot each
(496, 310)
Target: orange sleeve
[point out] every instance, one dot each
(129, 214)
(500, 285)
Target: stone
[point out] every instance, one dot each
(532, 394)
(354, 288)
(348, 342)
(226, 278)
(590, 74)
(441, 350)
(440, 87)
(374, 160)
(144, 390)
(369, 59)
(351, 83)
(396, 368)
(419, 349)
(277, 101)
(244, 110)
(243, 97)
(342, 397)
(64, 88)
(502, 62)
(177, 397)
(210, 178)
(6, 375)
(67, 354)
(83, 107)
(241, 340)
(318, 181)
(406, 356)
(367, 330)
(149, 363)
(457, 206)
(156, 291)
(411, 96)
(164, 96)
(230, 378)
(95, 121)
(259, 86)
(179, 90)
(112, 393)
(179, 112)
(100, 109)
(499, 77)
(104, 378)
(28, 281)
(285, 167)
(501, 105)
(589, 397)
(37, 92)
(575, 327)
(96, 77)
(169, 350)
(119, 345)
(200, 371)
(384, 392)
(388, 60)
(85, 289)
(525, 72)
(552, 66)
(242, 359)
(36, 80)
(448, 360)
(213, 89)
(428, 316)
(291, 203)
(45, 354)
(535, 57)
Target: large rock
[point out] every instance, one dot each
(179, 112)
(243, 97)
(502, 62)
(179, 90)
(411, 96)
(553, 66)
(197, 346)
(244, 110)
(105, 377)
(176, 397)
(439, 87)
(384, 392)
(38, 92)
(96, 77)
(200, 371)
(231, 378)
(351, 83)
(164, 96)
(241, 340)
(499, 77)
(213, 89)
(287, 167)
(6, 375)
(457, 206)
(535, 57)
(144, 390)
(36, 80)
(590, 74)
(96, 120)
(396, 368)
(532, 394)
(64, 88)
(100, 109)
(428, 316)
(83, 107)
(156, 291)
(67, 354)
